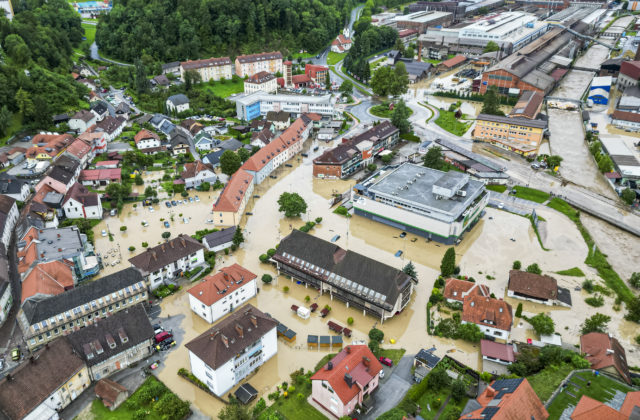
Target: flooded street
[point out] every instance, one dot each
(574, 84)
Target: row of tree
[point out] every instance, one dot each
(367, 41)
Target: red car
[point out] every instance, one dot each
(160, 337)
(386, 361)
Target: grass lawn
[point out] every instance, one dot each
(575, 272)
(497, 188)
(333, 58)
(563, 207)
(303, 55)
(428, 399)
(89, 32)
(225, 89)
(531, 194)
(393, 354)
(383, 111)
(602, 389)
(14, 127)
(448, 121)
(547, 380)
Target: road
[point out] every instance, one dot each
(392, 388)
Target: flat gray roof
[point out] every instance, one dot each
(396, 185)
(60, 243)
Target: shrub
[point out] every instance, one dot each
(341, 210)
(595, 301)
(166, 235)
(145, 244)
(350, 320)
(519, 311)
(264, 258)
(271, 252)
(123, 228)
(307, 298)
(534, 268)
(266, 278)
(132, 248)
(304, 229)
(588, 285)
(184, 194)
(226, 251)
(635, 280)
(285, 289)
(376, 335)
(318, 220)
(517, 265)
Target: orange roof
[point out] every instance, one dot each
(487, 311)
(512, 399)
(589, 409)
(145, 134)
(357, 361)
(234, 191)
(28, 254)
(631, 401)
(228, 279)
(51, 278)
(603, 351)
(277, 146)
(457, 289)
(42, 192)
(314, 116)
(454, 61)
(79, 148)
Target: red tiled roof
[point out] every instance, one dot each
(350, 360)
(497, 350)
(457, 289)
(630, 69)
(454, 61)
(277, 146)
(261, 77)
(631, 401)
(108, 391)
(50, 278)
(300, 78)
(590, 409)
(343, 39)
(234, 191)
(535, 285)
(487, 311)
(406, 32)
(42, 192)
(626, 116)
(521, 403)
(209, 291)
(194, 168)
(603, 351)
(111, 174)
(107, 163)
(79, 148)
(145, 134)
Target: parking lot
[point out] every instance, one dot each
(460, 81)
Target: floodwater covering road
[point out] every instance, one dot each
(573, 85)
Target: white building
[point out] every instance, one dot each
(111, 127)
(248, 65)
(219, 294)
(146, 139)
(516, 28)
(177, 103)
(232, 349)
(8, 218)
(5, 7)
(261, 82)
(80, 203)
(259, 104)
(166, 261)
(493, 316)
(208, 69)
(82, 120)
(195, 173)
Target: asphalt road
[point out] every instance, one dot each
(392, 388)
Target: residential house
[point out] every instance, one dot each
(222, 239)
(606, 355)
(123, 110)
(317, 73)
(362, 282)
(47, 279)
(52, 200)
(82, 120)
(326, 134)
(345, 381)
(14, 187)
(537, 288)
(146, 139)
(231, 144)
(261, 81)
(166, 261)
(229, 207)
(100, 177)
(171, 68)
(115, 342)
(423, 363)
(341, 44)
(6, 295)
(190, 127)
(219, 294)
(232, 349)
(195, 173)
(204, 141)
(8, 218)
(82, 151)
(111, 393)
(629, 74)
(393, 56)
(519, 135)
(455, 290)
(356, 152)
(13, 156)
(111, 127)
(493, 316)
(497, 352)
(179, 143)
(213, 159)
(209, 68)
(45, 318)
(177, 103)
(97, 139)
(280, 119)
(589, 409)
(160, 81)
(248, 65)
(48, 146)
(100, 109)
(261, 138)
(41, 388)
(506, 399)
(80, 203)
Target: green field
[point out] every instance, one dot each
(333, 58)
(574, 272)
(531, 194)
(225, 89)
(547, 380)
(303, 55)
(448, 121)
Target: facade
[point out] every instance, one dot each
(46, 318)
(606, 355)
(342, 384)
(317, 73)
(493, 316)
(80, 203)
(6, 295)
(426, 202)
(146, 139)
(261, 82)
(204, 141)
(98, 178)
(111, 127)
(168, 260)
(58, 178)
(82, 120)
(208, 69)
(179, 143)
(626, 120)
(14, 187)
(629, 74)
(506, 399)
(222, 239)
(280, 120)
(519, 135)
(248, 65)
(177, 103)
(219, 294)
(537, 288)
(42, 387)
(364, 283)
(259, 104)
(420, 21)
(82, 151)
(233, 348)
(357, 152)
(8, 218)
(195, 173)
(114, 343)
(341, 44)
(229, 207)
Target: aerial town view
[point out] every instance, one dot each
(320, 209)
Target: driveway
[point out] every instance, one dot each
(392, 388)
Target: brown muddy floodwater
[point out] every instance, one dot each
(486, 250)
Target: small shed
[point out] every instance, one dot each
(325, 341)
(289, 335)
(303, 312)
(281, 329)
(111, 393)
(312, 341)
(245, 393)
(336, 341)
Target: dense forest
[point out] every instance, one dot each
(35, 62)
(367, 41)
(169, 30)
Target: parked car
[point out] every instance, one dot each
(15, 354)
(103, 233)
(168, 204)
(197, 198)
(174, 203)
(113, 212)
(166, 224)
(534, 165)
(501, 206)
(185, 220)
(191, 199)
(386, 361)
(157, 329)
(145, 223)
(381, 373)
(164, 335)
(151, 209)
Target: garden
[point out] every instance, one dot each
(447, 121)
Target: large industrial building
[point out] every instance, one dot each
(420, 21)
(259, 103)
(433, 204)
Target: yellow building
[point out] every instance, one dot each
(519, 135)
(209, 69)
(248, 65)
(229, 208)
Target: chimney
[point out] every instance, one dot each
(183, 242)
(171, 244)
(348, 379)
(225, 340)
(491, 392)
(213, 335)
(240, 330)
(365, 361)
(330, 365)
(254, 321)
(348, 349)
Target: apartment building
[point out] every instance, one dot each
(261, 82)
(519, 135)
(229, 207)
(259, 104)
(248, 65)
(208, 69)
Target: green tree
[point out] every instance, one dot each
(628, 195)
(150, 192)
(17, 49)
(238, 237)
(327, 80)
(142, 83)
(534, 268)
(346, 88)
(25, 104)
(542, 324)
(458, 390)
(634, 280)
(292, 204)
(519, 310)
(438, 379)
(169, 406)
(235, 411)
(191, 77)
(230, 162)
(400, 117)
(517, 265)
(5, 119)
(138, 180)
(433, 158)
(386, 159)
(491, 103)
(395, 413)
(448, 264)
(244, 154)
(554, 160)
(470, 332)
(376, 335)
(633, 308)
(400, 79)
(491, 47)
(410, 270)
(267, 278)
(596, 323)
(399, 45)
(382, 81)
(605, 164)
